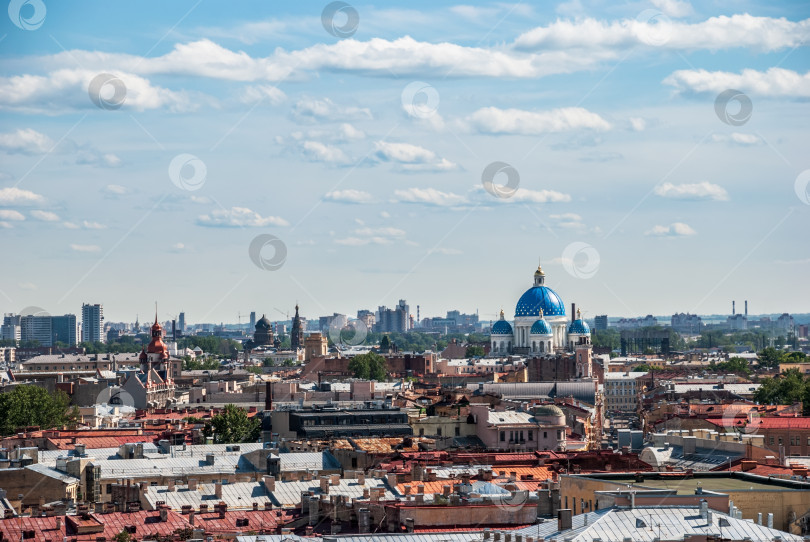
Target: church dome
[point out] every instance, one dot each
(540, 327)
(579, 326)
(263, 323)
(502, 327)
(537, 298)
(548, 411)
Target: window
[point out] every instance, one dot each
(439, 431)
(421, 431)
(531, 436)
(503, 436)
(545, 435)
(458, 431)
(772, 440)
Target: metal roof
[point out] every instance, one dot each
(297, 461)
(46, 470)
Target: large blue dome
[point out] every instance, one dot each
(579, 326)
(540, 327)
(502, 327)
(540, 297)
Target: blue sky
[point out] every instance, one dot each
(364, 155)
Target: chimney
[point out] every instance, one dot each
(407, 489)
(325, 485)
(704, 508)
(770, 520)
(746, 465)
(392, 480)
(171, 485)
(446, 489)
(191, 517)
(218, 490)
(335, 480)
(733, 308)
(164, 515)
(573, 311)
(759, 518)
(564, 519)
(192, 484)
(58, 523)
(269, 483)
(361, 477)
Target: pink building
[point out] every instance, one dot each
(541, 429)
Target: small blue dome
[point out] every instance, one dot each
(540, 327)
(579, 326)
(540, 297)
(502, 327)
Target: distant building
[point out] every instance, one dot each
(252, 319)
(686, 323)
(802, 331)
(92, 323)
(633, 323)
(181, 322)
(621, 392)
(37, 328)
(64, 329)
(368, 318)
(297, 333)
(10, 330)
(600, 323)
(785, 324)
(737, 322)
(263, 332)
(394, 320)
(336, 320)
(315, 345)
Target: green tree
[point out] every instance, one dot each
(31, 405)
(770, 357)
(254, 369)
(733, 365)
(369, 366)
(788, 388)
(233, 425)
(123, 536)
(474, 351)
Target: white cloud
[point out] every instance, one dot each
(384, 231)
(674, 8)
(524, 195)
(238, 217)
(446, 251)
(638, 124)
(17, 196)
(429, 196)
(312, 110)
(45, 216)
(27, 286)
(491, 120)
(116, 189)
(323, 152)
(697, 191)
(722, 32)
(738, 138)
(65, 88)
(10, 214)
(571, 221)
(676, 229)
(257, 93)
(4, 224)
(565, 216)
(776, 82)
(70, 225)
(25, 141)
(178, 247)
(349, 196)
(92, 225)
(86, 248)
(412, 157)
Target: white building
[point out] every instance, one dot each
(93, 323)
(540, 325)
(621, 392)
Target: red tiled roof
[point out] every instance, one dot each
(44, 528)
(776, 422)
(146, 523)
(257, 520)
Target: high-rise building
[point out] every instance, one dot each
(36, 329)
(393, 320)
(297, 333)
(181, 323)
(686, 323)
(64, 329)
(10, 330)
(600, 322)
(92, 323)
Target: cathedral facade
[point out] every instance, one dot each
(540, 325)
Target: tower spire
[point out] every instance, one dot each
(156, 312)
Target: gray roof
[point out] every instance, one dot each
(298, 461)
(584, 390)
(166, 466)
(244, 494)
(45, 470)
(646, 524)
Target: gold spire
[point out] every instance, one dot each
(539, 270)
(579, 314)
(541, 312)
(502, 314)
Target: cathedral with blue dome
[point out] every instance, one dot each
(540, 326)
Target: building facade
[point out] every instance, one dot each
(92, 323)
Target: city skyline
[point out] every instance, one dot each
(364, 147)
